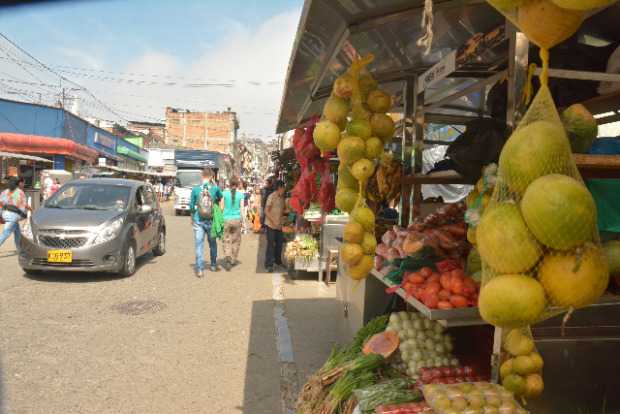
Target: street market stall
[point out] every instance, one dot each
(467, 69)
(316, 224)
(10, 165)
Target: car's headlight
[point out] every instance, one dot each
(110, 231)
(26, 230)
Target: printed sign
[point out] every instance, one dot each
(104, 141)
(439, 71)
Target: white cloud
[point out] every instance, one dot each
(80, 57)
(243, 55)
(158, 63)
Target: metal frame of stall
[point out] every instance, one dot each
(417, 112)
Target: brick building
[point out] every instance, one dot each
(154, 133)
(213, 131)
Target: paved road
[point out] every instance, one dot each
(161, 341)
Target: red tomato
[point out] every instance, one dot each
(456, 285)
(434, 278)
(444, 294)
(444, 305)
(469, 286)
(426, 272)
(416, 279)
(459, 379)
(459, 371)
(468, 370)
(436, 373)
(450, 380)
(444, 279)
(459, 301)
(432, 288)
(431, 300)
(409, 275)
(458, 273)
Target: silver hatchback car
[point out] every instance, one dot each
(94, 225)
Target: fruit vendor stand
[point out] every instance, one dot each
(311, 202)
(445, 73)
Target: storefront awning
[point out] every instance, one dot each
(24, 157)
(130, 153)
(39, 144)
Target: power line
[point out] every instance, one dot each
(62, 78)
(98, 75)
(150, 82)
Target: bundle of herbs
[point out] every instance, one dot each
(330, 389)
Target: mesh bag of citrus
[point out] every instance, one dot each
(538, 238)
(521, 367)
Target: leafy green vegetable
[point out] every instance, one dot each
(373, 327)
(340, 356)
(426, 257)
(391, 392)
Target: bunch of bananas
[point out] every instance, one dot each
(384, 185)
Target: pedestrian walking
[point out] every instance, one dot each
(274, 219)
(205, 213)
(14, 209)
(234, 210)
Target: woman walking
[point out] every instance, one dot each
(14, 206)
(234, 209)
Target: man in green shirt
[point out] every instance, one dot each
(202, 225)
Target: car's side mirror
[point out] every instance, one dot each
(145, 209)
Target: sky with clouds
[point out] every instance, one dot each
(202, 54)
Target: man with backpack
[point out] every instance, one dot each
(204, 210)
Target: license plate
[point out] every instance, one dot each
(60, 256)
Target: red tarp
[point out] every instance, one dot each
(38, 144)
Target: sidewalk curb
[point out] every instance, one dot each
(289, 384)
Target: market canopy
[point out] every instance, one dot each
(24, 157)
(38, 144)
(332, 33)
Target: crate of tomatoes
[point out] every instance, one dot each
(446, 287)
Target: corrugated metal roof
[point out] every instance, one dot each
(24, 157)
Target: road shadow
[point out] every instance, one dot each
(87, 277)
(260, 253)
(272, 382)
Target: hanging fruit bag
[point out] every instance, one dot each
(538, 238)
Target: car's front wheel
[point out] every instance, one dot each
(160, 249)
(129, 260)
